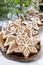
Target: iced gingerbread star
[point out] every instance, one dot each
(26, 45)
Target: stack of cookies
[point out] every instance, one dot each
(19, 40)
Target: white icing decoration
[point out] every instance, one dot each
(8, 51)
(4, 36)
(10, 41)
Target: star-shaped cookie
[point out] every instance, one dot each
(26, 45)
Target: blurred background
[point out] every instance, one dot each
(9, 9)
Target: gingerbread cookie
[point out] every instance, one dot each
(26, 45)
